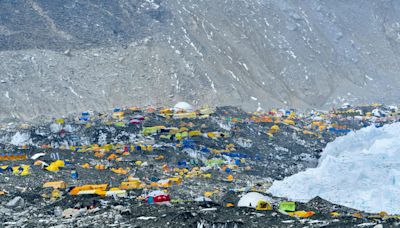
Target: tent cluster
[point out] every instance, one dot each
(261, 202)
(317, 123)
(21, 170)
(181, 154)
(13, 157)
(103, 190)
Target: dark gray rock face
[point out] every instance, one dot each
(59, 56)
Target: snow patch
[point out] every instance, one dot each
(369, 78)
(54, 128)
(20, 139)
(233, 75)
(75, 93)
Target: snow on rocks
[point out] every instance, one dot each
(16, 202)
(360, 170)
(20, 139)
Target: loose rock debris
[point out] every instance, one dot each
(147, 167)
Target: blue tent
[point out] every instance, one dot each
(8, 168)
(338, 131)
(182, 164)
(235, 155)
(188, 143)
(205, 150)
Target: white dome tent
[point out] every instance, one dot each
(252, 199)
(183, 106)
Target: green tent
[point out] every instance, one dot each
(149, 130)
(119, 124)
(287, 206)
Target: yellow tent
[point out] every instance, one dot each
(133, 184)
(16, 170)
(55, 184)
(52, 168)
(25, 170)
(263, 206)
(77, 190)
(119, 171)
(288, 121)
(59, 163)
(189, 115)
(275, 128)
(176, 180)
(60, 121)
(301, 214)
(166, 111)
(55, 194)
(118, 115)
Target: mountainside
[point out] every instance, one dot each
(59, 56)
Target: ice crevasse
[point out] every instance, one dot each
(360, 170)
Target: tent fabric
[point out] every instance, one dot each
(251, 199)
(287, 206)
(183, 106)
(338, 131)
(157, 197)
(156, 193)
(38, 155)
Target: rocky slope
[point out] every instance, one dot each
(58, 56)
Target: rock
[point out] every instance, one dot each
(4, 211)
(118, 218)
(58, 211)
(16, 202)
(70, 213)
(296, 16)
(59, 226)
(94, 210)
(119, 208)
(126, 211)
(291, 26)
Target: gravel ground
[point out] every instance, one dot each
(266, 159)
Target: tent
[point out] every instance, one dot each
(263, 206)
(254, 200)
(186, 115)
(133, 184)
(183, 106)
(157, 197)
(55, 185)
(116, 192)
(87, 189)
(135, 121)
(287, 206)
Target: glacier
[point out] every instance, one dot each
(360, 170)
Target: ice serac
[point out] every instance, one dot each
(360, 170)
(58, 56)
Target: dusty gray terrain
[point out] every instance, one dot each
(60, 56)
